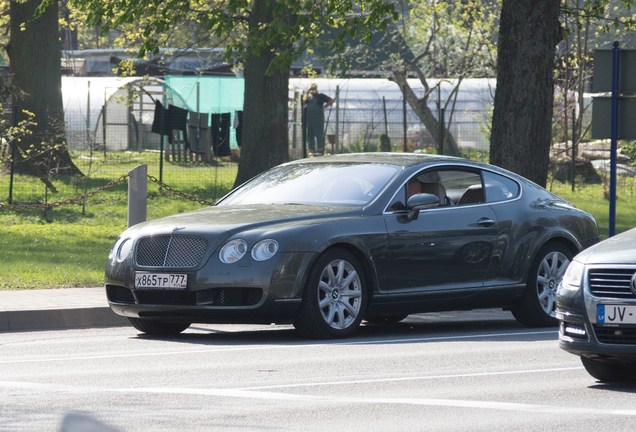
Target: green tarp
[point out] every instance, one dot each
(216, 95)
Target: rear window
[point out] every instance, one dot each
(499, 188)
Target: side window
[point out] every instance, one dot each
(499, 188)
(452, 186)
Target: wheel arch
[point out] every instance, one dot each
(529, 308)
(572, 245)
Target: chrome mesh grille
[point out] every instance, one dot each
(613, 283)
(171, 251)
(151, 251)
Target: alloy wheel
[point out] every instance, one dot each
(339, 294)
(551, 271)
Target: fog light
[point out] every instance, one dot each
(575, 330)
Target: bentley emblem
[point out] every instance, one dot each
(632, 285)
(178, 228)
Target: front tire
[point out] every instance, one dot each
(609, 372)
(158, 328)
(537, 307)
(334, 298)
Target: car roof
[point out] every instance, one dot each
(405, 160)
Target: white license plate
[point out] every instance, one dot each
(166, 281)
(616, 314)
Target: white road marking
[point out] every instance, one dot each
(420, 378)
(250, 394)
(274, 347)
(504, 406)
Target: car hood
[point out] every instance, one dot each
(220, 223)
(620, 249)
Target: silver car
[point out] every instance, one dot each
(596, 307)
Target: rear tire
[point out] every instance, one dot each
(334, 298)
(537, 306)
(159, 328)
(609, 372)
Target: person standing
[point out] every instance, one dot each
(315, 104)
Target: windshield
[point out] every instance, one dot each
(345, 184)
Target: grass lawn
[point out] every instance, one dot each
(590, 198)
(68, 246)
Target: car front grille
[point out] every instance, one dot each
(181, 298)
(612, 283)
(178, 251)
(613, 335)
(228, 297)
(235, 296)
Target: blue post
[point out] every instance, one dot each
(162, 138)
(614, 137)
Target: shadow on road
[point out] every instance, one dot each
(484, 326)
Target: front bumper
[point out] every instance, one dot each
(245, 292)
(580, 332)
(579, 336)
(267, 310)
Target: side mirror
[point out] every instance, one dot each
(419, 202)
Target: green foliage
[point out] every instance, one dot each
(628, 148)
(472, 154)
(608, 16)
(454, 39)
(360, 147)
(288, 31)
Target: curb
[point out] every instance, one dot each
(49, 319)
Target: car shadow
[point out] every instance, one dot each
(625, 387)
(486, 326)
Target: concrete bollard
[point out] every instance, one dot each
(137, 195)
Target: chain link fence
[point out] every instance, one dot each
(117, 140)
(106, 141)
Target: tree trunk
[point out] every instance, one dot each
(35, 62)
(424, 113)
(265, 111)
(522, 116)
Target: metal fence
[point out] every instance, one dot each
(119, 137)
(117, 140)
(349, 130)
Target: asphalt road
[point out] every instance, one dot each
(470, 371)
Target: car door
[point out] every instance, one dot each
(446, 251)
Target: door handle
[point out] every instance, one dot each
(485, 222)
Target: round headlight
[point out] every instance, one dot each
(124, 249)
(233, 251)
(264, 250)
(573, 276)
(114, 249)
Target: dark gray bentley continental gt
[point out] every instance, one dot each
(596, 304)
(326, 242)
